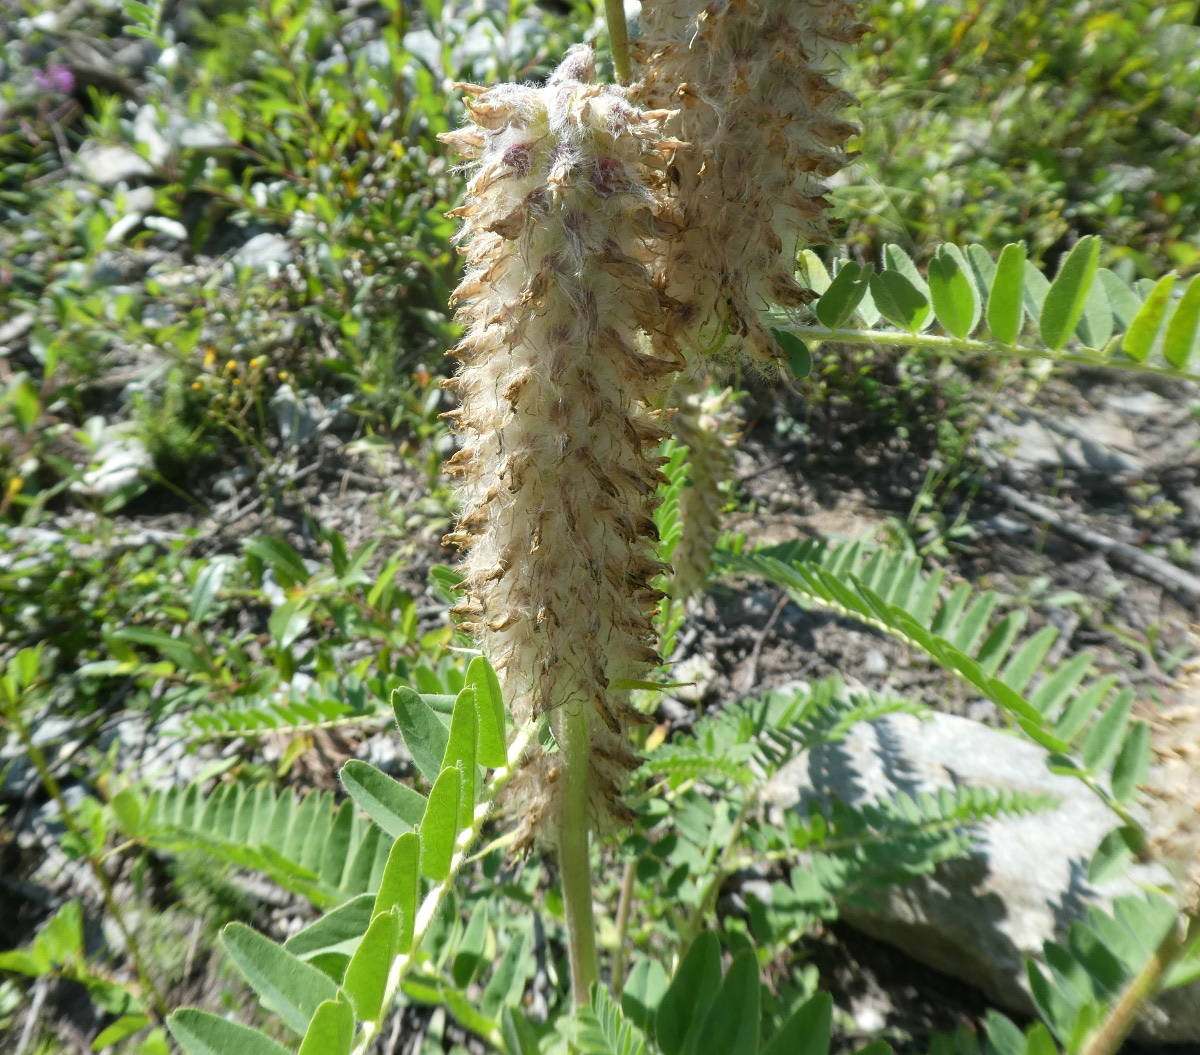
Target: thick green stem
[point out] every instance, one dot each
(618, 39)
(1142, 988)
(574, 861)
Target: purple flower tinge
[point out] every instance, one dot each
(57, 79)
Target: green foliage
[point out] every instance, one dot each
(1041, 121)
(1084, 724)
(1086, 316)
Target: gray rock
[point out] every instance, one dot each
(699, 671)
(1101, 442)
(164, 225)
(978, 917)
(267, 252)
(112, 164)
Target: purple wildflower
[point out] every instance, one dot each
(56, 79)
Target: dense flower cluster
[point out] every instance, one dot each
(750, 81)
(557, 473)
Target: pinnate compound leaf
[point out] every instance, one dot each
(807, 1030)
(1182, 340)
(489, 707)
(200, 1033)
(1007, 294)
(1143, 332)
(953, 292)
(367, 973)
(1065, 299)
(331, 1031)
(603, 1030)
(686, 1002)
(395, 807)
(286, 985)
(424, 732)
(439, 827)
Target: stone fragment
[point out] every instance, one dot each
(978, 917)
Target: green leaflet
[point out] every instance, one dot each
(285, 984)
(847, 289)
(199, 1033)
(439, 826)
(899, 300)
(489, 703)
(339, 930)
(733, 1021)
(425, 734)
(400, 886)
(460, 751)
(331, 1031)
(1181, 343)
(395, 807)
(952, 290)
(681, 1013)
(1068, 293)
(807, 1030)
(367, 973)
(1144, 330)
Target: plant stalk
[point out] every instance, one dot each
(623, 905)
(618, 40)
(574, 860)
(1142, 988)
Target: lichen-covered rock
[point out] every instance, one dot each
(751, 81)
(557, 473)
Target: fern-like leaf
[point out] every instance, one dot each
(1081, 719)
(1086, 315)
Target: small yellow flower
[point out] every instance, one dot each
(256, 362)
(15, 483)
(284, 375)
(210, 357)
(197, 386)
(237, 381)
(231, 366)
